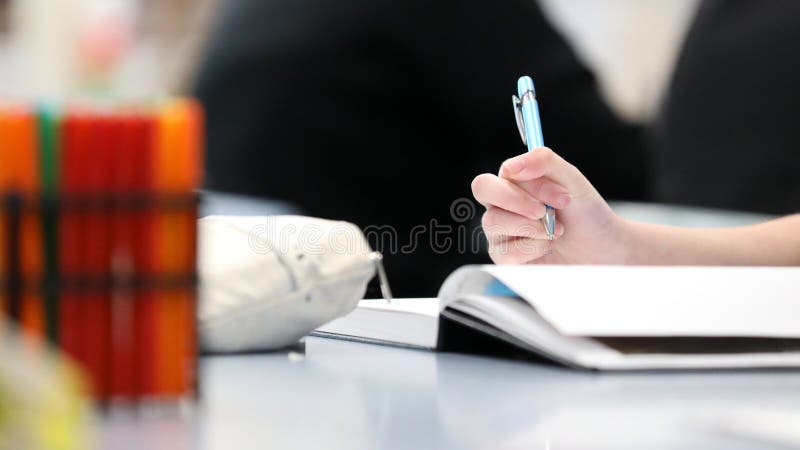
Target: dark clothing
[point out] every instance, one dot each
(381, 113)
(729, 134)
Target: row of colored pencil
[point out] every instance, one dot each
(98, 237)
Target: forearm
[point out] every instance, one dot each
(776, 242)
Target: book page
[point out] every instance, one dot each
(660, 301)
(403, 321)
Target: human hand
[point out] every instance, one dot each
(587, 230)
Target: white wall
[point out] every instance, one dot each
(630, 44)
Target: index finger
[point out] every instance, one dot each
(543, 162)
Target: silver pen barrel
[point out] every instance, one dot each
(549, 221)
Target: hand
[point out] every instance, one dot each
(587, 230)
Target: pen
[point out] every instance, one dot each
(526, 111)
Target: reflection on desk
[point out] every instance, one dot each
(338, 394)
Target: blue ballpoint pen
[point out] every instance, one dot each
(526, 111)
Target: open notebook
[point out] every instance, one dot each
(604, 317)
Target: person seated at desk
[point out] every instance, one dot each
(355, 110)
(379, 113)
(587, 231)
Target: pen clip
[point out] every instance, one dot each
(518, 116)
(386, 291)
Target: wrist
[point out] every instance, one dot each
(627, 236)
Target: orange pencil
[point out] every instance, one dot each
(4, 186)
(190, 181)
(177, 175)
(168, 246)
(20, 176)
(31, 237)
(187, 155)
(9, 185)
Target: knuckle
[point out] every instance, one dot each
(536, 189)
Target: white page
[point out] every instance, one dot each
(423, 306)
(405, 321)
(661, 301)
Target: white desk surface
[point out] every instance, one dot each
(336, 394)
(330, 394)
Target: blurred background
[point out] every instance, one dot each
(154, 47)
(381, 113)
(63, 48)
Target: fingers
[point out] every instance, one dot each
(546, 192)
(514, 239)
(519, 250)
(499, 225)
(543, 162)
(490, 190)
(517, 195)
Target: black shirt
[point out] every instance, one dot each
(381, 113)
(729, 133)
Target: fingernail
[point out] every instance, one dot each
(513, 165)
(563, 200)
(559, 230)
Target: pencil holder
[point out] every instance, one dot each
(98, 242)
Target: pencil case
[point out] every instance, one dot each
(267, 281)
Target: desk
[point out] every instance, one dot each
(331, 394)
